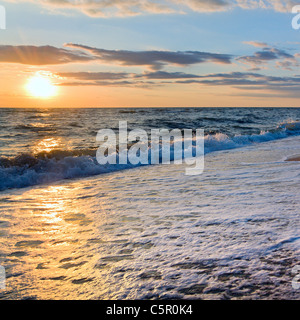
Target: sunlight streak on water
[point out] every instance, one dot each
(47, 145)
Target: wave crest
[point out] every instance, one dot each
(27, 170)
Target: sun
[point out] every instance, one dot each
(41, 86)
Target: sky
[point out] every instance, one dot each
(149, 53)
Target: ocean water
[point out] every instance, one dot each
(73, 229)
(40, 146)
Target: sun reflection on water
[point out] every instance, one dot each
(47, 145)
(51, 246)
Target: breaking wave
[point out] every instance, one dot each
(27, 170)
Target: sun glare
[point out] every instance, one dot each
(41, 86)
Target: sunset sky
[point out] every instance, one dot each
(147, 53)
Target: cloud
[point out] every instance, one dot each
(282, 58)
(94, 76)
(99, 83)
(41, 55)
(281, 5)
(156, 60)
(106, 78)
(207, 5)
(49, 55)
(109, 8)
(166, 75)
(250, 84)
(256, 44)
(105, 8)
(228, 79)
(247, 81)
(153, 59)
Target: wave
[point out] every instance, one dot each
(35, 127)
(33, 169)
(127, 111)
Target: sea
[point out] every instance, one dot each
(71, 228)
